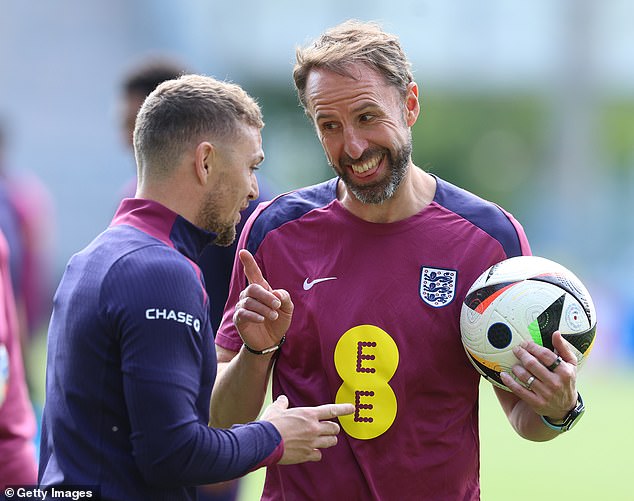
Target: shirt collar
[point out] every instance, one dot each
(156, 220)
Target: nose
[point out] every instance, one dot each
(353, 143)
(255, 189)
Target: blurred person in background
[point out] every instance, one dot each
(27, 218)
(131, 360)
(358, 255)
(143, 77)
(17, 420)
(28, 209)
(216, 262)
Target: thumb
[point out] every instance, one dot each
(281, 402)
(286, 304)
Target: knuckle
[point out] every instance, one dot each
(558, 386)
(236, 316)
(314, 426)
(532, 364)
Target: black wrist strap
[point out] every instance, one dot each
(265, 351)
(570, 419)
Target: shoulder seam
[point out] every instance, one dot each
(289, 207)
(497, 220)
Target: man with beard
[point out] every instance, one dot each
(378, 261)
(216, 262)
(131, 361)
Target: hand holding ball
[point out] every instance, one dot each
(525, 298)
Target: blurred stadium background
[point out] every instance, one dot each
(529, 104)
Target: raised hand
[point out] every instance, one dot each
(305, 430)
(262, 315)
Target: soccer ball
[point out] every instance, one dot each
(524, 298)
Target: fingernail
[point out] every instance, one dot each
(273, 315)
(277, 303)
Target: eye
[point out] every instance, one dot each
(366, 117)
(327, 126)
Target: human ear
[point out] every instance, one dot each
(204, 159)
(412, 104)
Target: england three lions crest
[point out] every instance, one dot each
(437, 286)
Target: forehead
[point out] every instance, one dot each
(327, 90)
(251, 137)
(247, 141)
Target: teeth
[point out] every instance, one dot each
(370, 164)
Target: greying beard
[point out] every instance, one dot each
(383, 190)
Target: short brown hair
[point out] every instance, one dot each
(352, 42)
(180, 113)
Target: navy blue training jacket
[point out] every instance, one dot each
(131, 365)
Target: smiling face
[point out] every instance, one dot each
(363, 124)
(233, 184)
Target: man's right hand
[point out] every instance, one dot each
(262, 315)
(305, 430)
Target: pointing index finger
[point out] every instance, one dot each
(329, 411)
(252, 270)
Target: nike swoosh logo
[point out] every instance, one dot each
(308, 284)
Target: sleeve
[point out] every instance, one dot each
(525, 248)
(158, 303)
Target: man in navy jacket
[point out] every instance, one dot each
(131, 359)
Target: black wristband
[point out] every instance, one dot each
(265, 351)
(570, 419)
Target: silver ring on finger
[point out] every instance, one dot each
(529, 382)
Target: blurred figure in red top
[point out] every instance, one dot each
(28, 222)
(17, 421)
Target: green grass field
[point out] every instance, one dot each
(594, 461)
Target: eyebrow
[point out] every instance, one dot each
(323, 116)
(319, 116)
(365, 106)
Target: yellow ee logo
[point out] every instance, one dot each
(366, 358)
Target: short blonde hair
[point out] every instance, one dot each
(180, 113)
(353, 42)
